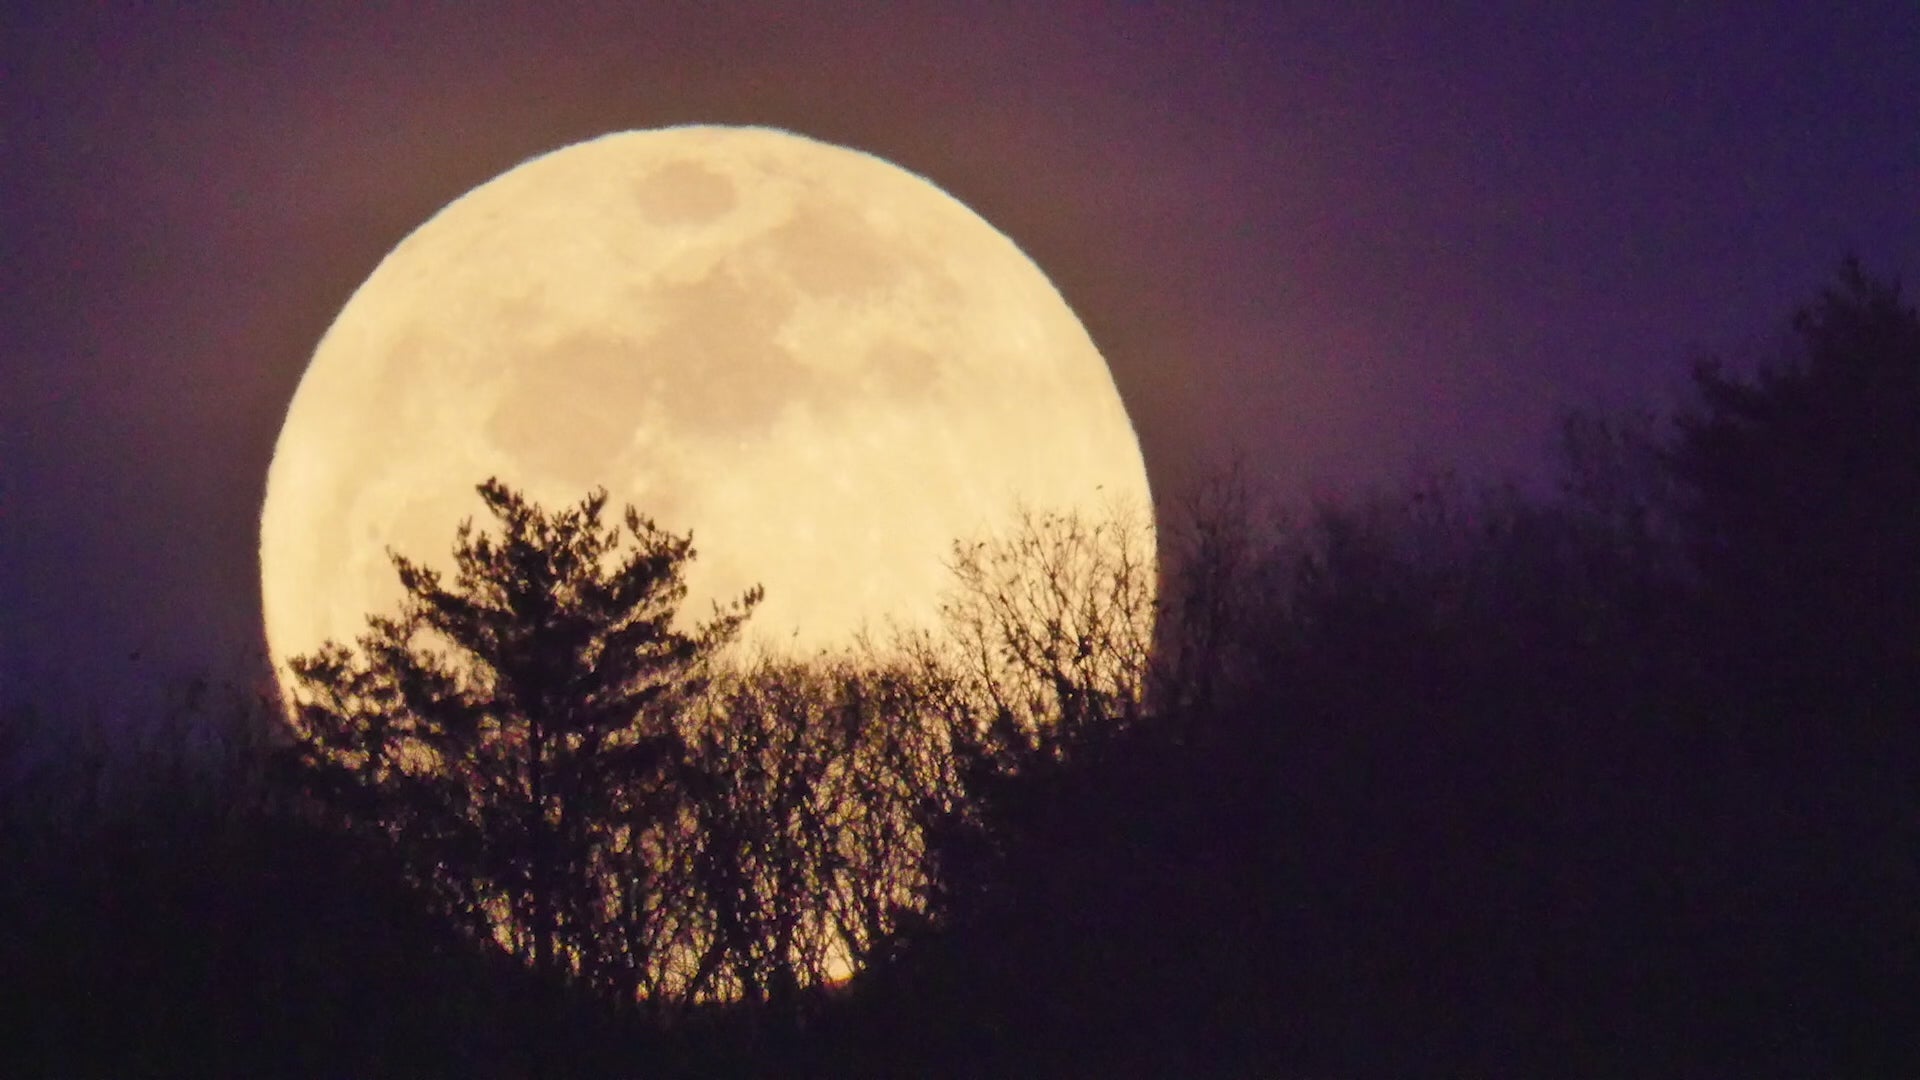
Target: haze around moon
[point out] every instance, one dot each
(819, 363)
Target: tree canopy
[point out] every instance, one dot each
(510, 733)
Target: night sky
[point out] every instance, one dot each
(1344, 241)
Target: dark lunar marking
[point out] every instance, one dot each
(684, 193)
(830, 250)
(389, 400)
(396, 374)
(716, 360)
(609, 364)
(524, 312)
(903, 371)
(589, 388)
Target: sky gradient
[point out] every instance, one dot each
(1342, 241)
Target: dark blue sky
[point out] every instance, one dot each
(1343, 240)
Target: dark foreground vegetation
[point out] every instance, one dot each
(1618, 780)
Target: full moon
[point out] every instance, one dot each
(823, 366)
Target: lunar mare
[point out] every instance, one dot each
(819, 363)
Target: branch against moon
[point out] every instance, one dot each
(1052, 623)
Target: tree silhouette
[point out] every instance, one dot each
(800, 841)
(1798, 498)
(1800, 490)
(509, 735)
(1050, 627)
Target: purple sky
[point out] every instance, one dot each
(1342, 240)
